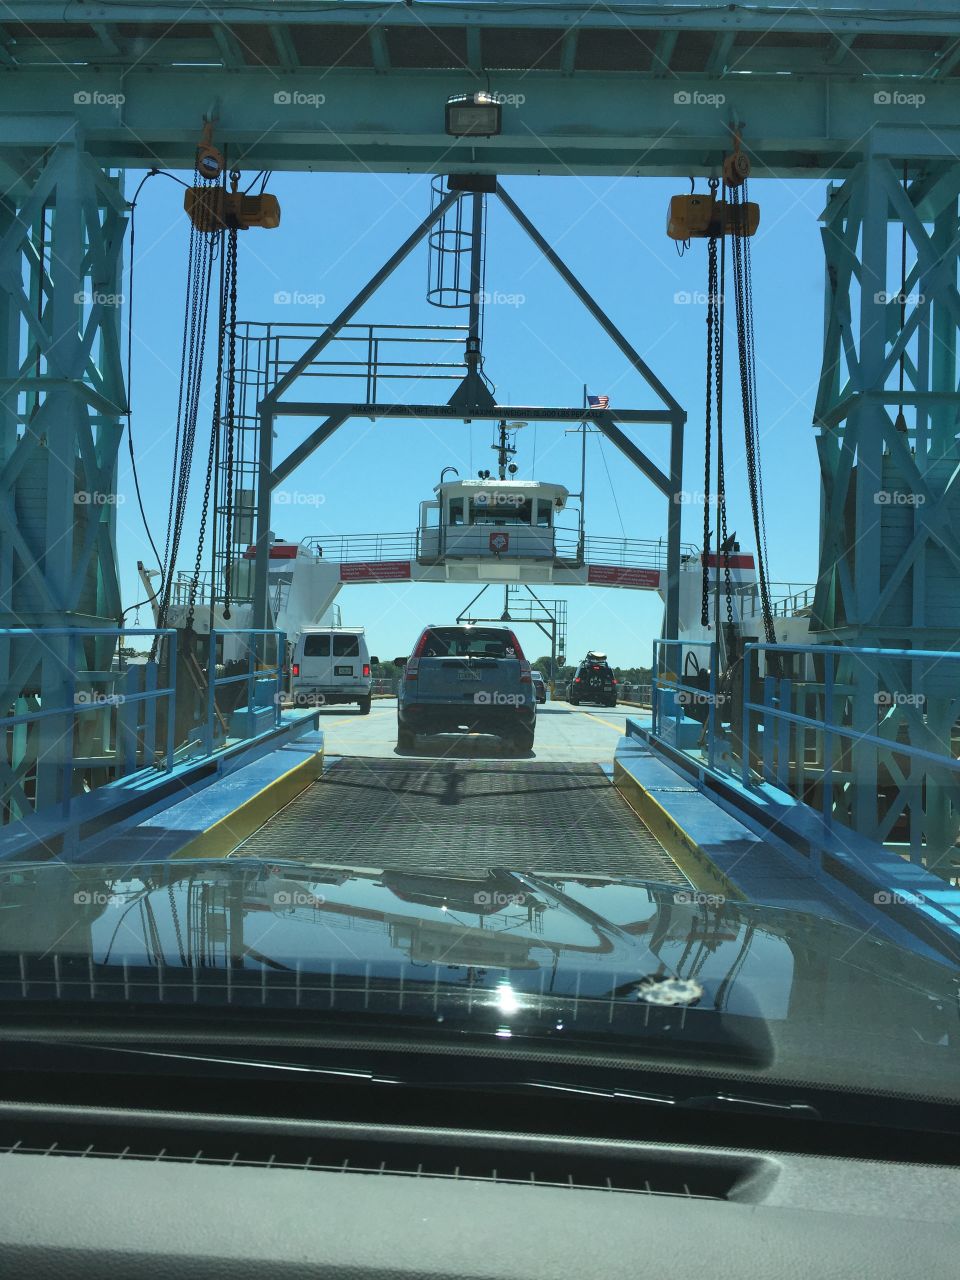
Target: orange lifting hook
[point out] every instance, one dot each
(736, 166)
(209, 159)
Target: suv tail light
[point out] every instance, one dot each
(576, 679)
(518, 651)
(421, 644)
(296, 668)
(366, 668)
(525, 676)
(410, 671)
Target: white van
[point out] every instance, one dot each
(331, 665)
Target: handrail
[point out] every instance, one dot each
(773, 718)
(621, 552)
(253, 673)
(128, 740)
(667, 681)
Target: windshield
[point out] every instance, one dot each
(298, 555)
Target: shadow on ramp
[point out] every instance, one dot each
(462, 746)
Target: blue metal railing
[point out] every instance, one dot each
(133, 741)
(256, 672)
(866, 738)
(121, 714)
(796, 751)
(671, 694)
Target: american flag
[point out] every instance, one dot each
(598, 402)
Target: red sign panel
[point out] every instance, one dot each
(610, 575)
(278, 551)
(735, 561)
(375, 571)
(500, 542)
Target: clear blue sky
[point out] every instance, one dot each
(540, 347)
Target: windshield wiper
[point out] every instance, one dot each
(697, 1102)
(501, 1078)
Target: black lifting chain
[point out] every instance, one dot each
(230, 432)
(747, 361)
(708, 413)
(199, 277)
(714, 394)
(215, 427)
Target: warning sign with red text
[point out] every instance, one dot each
(611, 575)
(375, 571)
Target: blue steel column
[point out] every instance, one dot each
(671, 621)
(890, 528)
(9, 363)
(866, 424)
(62, 404)
(264, 504)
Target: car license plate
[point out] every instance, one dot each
(467, 674)
(343, 671)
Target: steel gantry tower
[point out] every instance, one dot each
(86, 90)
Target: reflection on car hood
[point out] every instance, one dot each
(618, 961)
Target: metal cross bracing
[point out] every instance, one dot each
(472, 400)
(61, 401)
(891, 515)
(888, 416)
(590, 89)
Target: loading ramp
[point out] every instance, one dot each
(463, 817)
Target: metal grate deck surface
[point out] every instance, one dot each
(463, 817)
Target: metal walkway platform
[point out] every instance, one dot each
(463, 817)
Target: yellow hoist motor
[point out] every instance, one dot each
(213, 209)
(700, 217)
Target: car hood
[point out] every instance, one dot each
(617, 965)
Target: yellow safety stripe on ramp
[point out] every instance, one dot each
(681, 847)
(220, 839)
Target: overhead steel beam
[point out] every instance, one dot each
(351, 121)
(535, 413)
(936, 16)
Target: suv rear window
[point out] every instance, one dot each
(346, 646)
(458, 642)
(316, 646)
